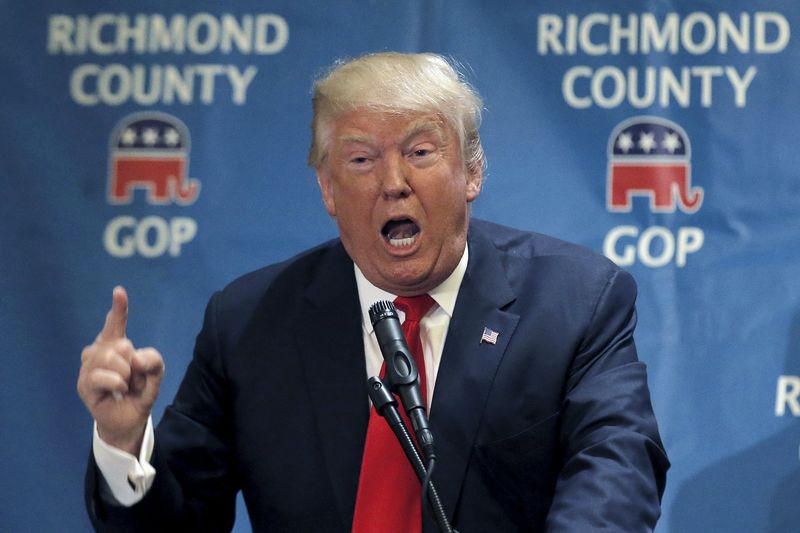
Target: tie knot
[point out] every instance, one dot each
(414, 307)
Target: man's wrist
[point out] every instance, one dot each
(129, 442)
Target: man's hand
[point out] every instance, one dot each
(119, 383)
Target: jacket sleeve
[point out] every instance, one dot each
(614, 466)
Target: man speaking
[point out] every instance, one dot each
(538, 404)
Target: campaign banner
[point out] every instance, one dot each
(164, 147)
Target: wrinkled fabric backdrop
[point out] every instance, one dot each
(163, 148)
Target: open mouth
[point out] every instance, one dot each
(400, 233)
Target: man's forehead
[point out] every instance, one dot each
(371, 126)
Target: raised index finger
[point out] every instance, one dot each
(117, 317)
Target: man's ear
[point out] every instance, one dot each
(326, 188)
(474, 183)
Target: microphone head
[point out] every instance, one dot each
(380, 310)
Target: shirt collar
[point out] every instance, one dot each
(444, 294)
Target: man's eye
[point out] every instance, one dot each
(422, 152)
(359, 160)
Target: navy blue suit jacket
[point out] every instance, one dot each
(549, 429)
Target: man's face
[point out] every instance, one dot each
(399, 191)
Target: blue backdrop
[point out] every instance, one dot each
(163, 148)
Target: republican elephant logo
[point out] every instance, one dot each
(150, 151)
(651, 157)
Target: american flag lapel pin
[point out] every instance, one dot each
(489, 336)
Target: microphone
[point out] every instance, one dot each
(402, 375)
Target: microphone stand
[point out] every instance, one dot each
(386, 406)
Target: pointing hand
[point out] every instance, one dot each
(118, 383)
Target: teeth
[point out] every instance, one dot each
(401, 243)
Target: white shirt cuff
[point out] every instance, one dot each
(128, 478)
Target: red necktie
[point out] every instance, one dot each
(388, 497)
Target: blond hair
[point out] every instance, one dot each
(398, 83)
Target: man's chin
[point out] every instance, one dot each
(408, 279)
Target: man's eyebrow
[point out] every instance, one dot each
(425, 125)
(353, 138)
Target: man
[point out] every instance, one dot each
(545, 426)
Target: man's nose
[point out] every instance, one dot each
(396, 173)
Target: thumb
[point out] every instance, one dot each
(147, 368)
(117, 317)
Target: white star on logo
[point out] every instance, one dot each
(647, 142)
(171, 137)
(128, 137)
(150, 137)
(671, 142)
(625, 142)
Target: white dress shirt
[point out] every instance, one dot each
(129, 477)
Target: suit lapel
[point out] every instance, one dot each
(468, 366)
(332, 353)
